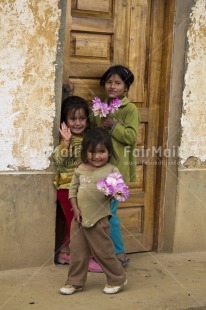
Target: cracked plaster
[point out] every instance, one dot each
(29, 39)
(193, 121)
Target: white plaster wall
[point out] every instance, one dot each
(193, 141)
(190, 211)
(28, 40)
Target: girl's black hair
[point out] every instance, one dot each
(125, 74)
(71, 104)
(94, 137)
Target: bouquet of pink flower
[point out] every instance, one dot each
(114, 186)
(102, 109)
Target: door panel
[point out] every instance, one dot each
(100, 34)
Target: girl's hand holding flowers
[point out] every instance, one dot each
(114, 186)
(107, 122)
(102, 110)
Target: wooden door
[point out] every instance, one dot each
(128, 32)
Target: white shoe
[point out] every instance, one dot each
(109, 289)
(70, 289)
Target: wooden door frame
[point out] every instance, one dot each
(171, 89)
(167, 44)
(159, 75)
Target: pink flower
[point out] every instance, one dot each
(121, 192)
(114, 178)
(114, 105)
(99, 108)
(114, 185)
(104, 187)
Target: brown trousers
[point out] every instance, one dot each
(96, 241)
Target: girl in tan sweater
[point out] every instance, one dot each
(90, 229)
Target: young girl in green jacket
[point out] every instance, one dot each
(123, 127)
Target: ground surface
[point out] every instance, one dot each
(155, 282)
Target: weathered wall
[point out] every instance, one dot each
(27, 220)
(30, 89)
(190, 228)
(29, 34)
(184, 204)
(193, 141)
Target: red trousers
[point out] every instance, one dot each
(63, 198)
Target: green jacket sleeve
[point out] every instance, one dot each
(126, 131)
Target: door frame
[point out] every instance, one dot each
(166, 72)
(172, 85)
